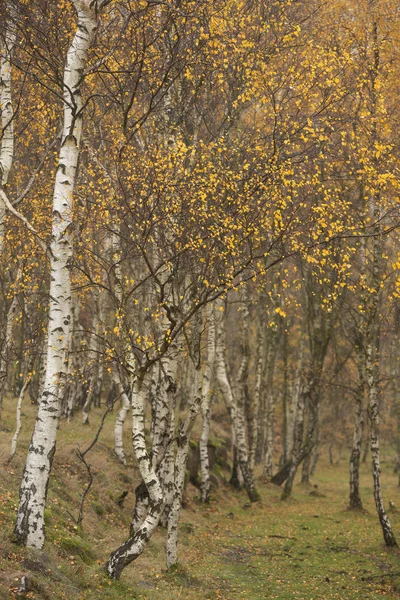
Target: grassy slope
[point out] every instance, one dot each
(307, 548)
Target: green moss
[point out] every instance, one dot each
(76, 546)
(99, 509)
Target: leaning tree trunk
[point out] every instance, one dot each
(29, 528)
(135, 544)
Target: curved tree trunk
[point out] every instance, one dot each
(134, 546)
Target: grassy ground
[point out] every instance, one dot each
(309, 547)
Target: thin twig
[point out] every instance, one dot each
(81, 456)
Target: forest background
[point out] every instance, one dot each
(199, 202)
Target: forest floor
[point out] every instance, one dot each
(307, 548)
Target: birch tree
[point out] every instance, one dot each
(29, 527)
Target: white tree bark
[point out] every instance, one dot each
(136, 543)
(6, 159)
(270, 404)
(125, 404)
(25, 386)
(206, 405)
(29, 528)
(169, 365)
(237, 418)
(121, 417)
(355, 498)
(261, 336)
(180, 469)
(6, 109)
(7, 346)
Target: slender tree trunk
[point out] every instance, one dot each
(373, 412)
(312, 428)
(372, 335)
(255, 408)
(134, 546)
(183, 440)
(297, 444)
(206, 405)
(286, 429)
(270, 404)
(6, 160)
(27, 380)
(355, 498)
(6, 349)
(169, 365)
(29, 528)
(237, 416)
(316, 450)
(120, 420)
(6, 108)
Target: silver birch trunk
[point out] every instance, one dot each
(255, 408)
(6, 109)
(134, 546)
(237, 417)
(206, 405)
(6, 349)
(373, 412)
(372, 336)
(121, 417)
(270, 404)
(6, 160)
(355, 498)
(125, 404)
(316, 450)
(183, 440)
(29, 527)
(169, 365)
(298, 432)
